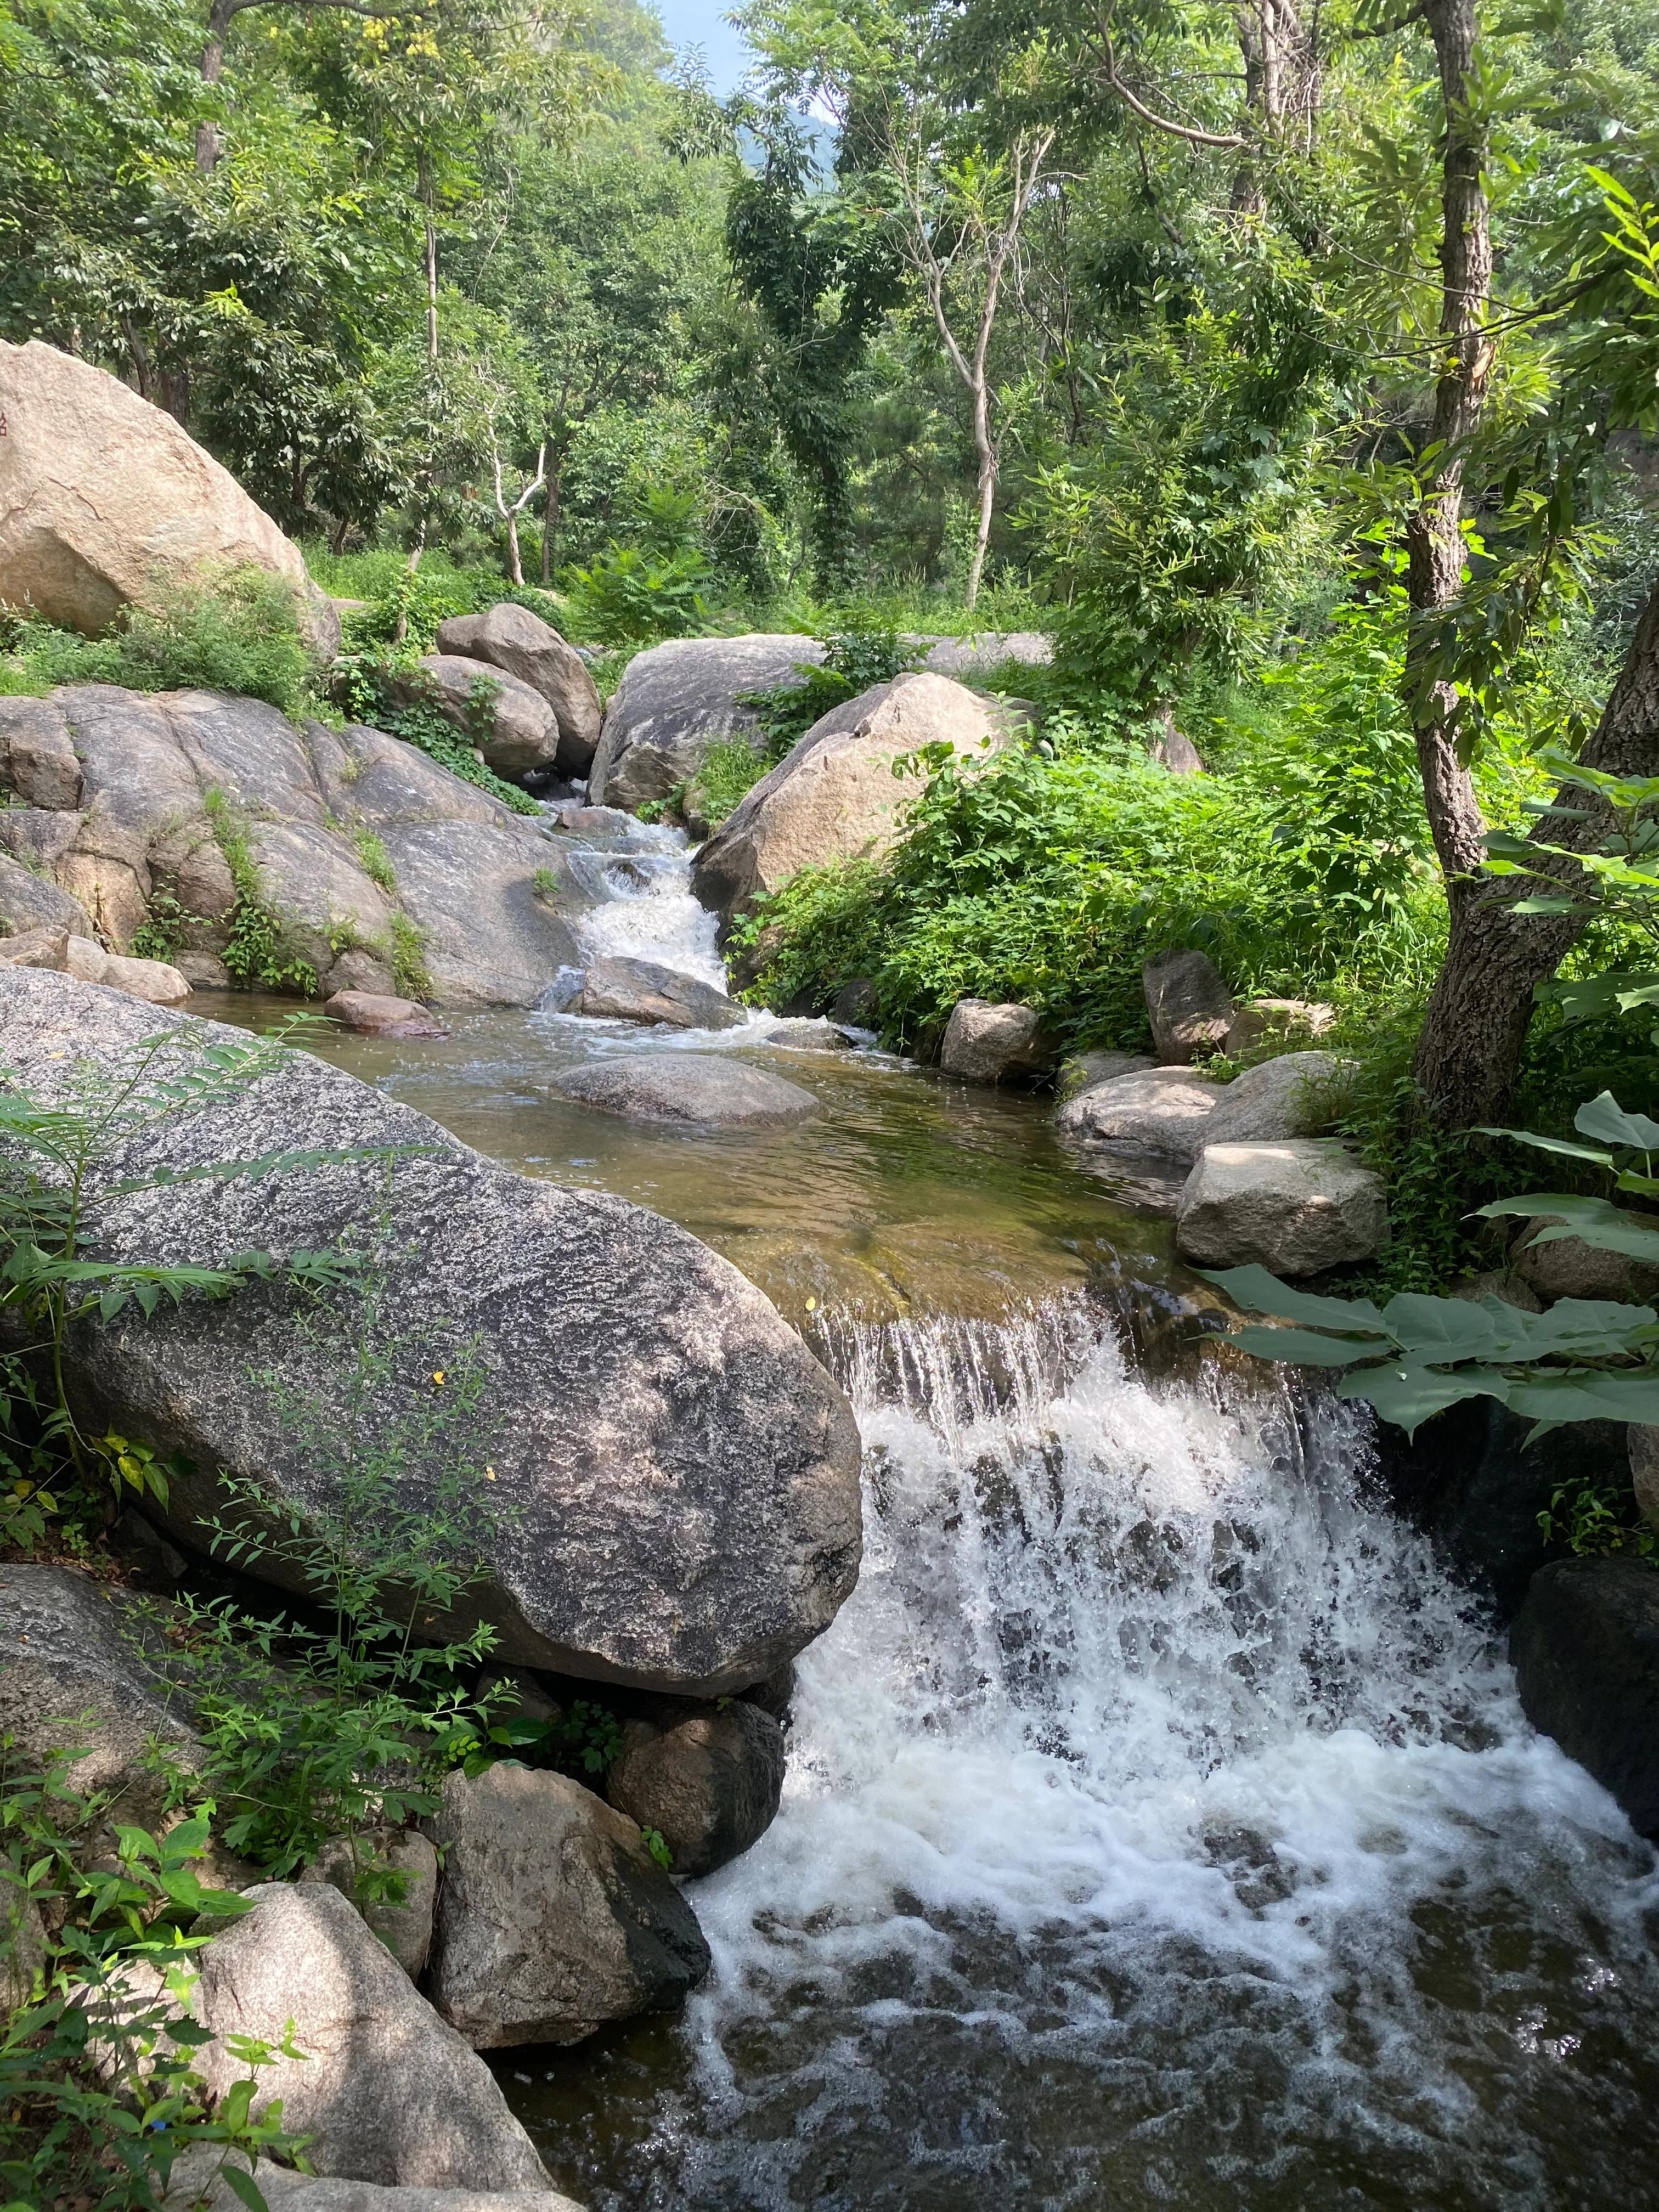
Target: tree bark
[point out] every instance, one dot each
(1469, 1053)
(213, 66)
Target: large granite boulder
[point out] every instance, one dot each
(386, 2091)
(554, 1918)
(361, 846)
(1190, 1007)
(618, 989)
(695, 1089)
(986, 650)
(985, 1041)
(679, 1478)
(507, 720)
(677, 700)
(510, 637)
(1295, 1208)
(1586, 1650)
(81, 1672)
(1162, 1110)
(1296, 1095)
(835, 796)
(707, 1782)
(105, 501)
(157, 981)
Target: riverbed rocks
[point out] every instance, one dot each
(692, 1089)
(835, 796)
(678, 699)
(80, 1671)
(372, 1014)
(36, 948)
(510, 723)
(106, 501)
(197, 2180)
(1082, 1070)
(1585, 1646)
(1295, 1208)
(708, 1782)
(511, 638)
(554, 1918)
(387, 2092)
(618, 989)
(1160, 1110)
(365, 853)
(679, 1478)
(1189, 1006)
(155, 980)
(985, 1041)
(405, 1928)
(1297, 1095)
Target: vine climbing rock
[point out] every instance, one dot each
(677, 700)
(332, 860)
(677, 1478)
(508, 722)
(510, 637)
(835, 796)
(106, 501)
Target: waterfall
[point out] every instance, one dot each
(1161, 1826)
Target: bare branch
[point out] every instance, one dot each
(1226, 142)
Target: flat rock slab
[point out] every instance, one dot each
(196, 2178)
(1585, 1645)
(1295, 1208)
(696, 1089)
(387, 2092)
(1162, 1110)
(678, 1477)
(554, 1918)
(620, 990)
(678, 699)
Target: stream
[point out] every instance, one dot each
(1161, 1826)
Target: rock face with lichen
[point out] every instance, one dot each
(379, 867)
(679, 1478)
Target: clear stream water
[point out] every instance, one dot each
(1161, 1828)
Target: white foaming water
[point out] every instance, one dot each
(1159, 1815)
(645, 910)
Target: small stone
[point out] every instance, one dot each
(1190, 1007)
(985, 1041)
(405, 1928)
(1295, 1208)
(809, 1034)
(554, 1917)
(372, 1015)
(708, 1783)
(1163, 1110)
(618, 989)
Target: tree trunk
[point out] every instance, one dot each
(1434, 539)
(985, 446)
(1469, 1053)
(550, 520)
(213, 64)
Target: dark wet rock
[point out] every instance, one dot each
(696, 1089)
(554, 1918)
(1190, 1007)
(679, 1478)
(707, 1782)
(641, 991)
(855, 1003)
(1585, 1646)
(510, 637)
(677, 700)
(149, 1561)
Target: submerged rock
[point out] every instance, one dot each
(696, 1089)
(510, 637)
(1585, 1646)
(1295, 1208)
(835, 796)
(983, 1042)
(1190, 1007)
(677, 700)
(1163, 1110)
(641, 991)
(372, 1014)
(387, 2091)
(679, 1478)
(554, 1917)
(709, 1783)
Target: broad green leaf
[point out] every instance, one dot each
(1409, 1397)
(1559, 1145)
(1602, 1226)
(1587, 1396)
(242, 2185)
(1304, 1348)
(1604, 1117)
(1442, 1329)
(1254, 1290)
(1598, 1328)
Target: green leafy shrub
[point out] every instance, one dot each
(628, 596)
(238, 632)
(257, 952)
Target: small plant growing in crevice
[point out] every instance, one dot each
(374, 861)
(1589, 1521)
(257, 952)
(409, 970)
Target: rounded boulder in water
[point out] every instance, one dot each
(708, 1781)
(697, 1089)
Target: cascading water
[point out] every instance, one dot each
(1161, 1828)
(643, 907)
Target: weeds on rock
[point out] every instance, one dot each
(257, 952)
